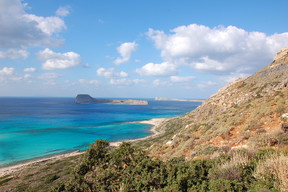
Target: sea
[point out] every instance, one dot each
(37, 127)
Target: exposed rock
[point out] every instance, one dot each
(285, 115)
(281, 53)
(87, 99)
(284, 127)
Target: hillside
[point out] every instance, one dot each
(247, 113)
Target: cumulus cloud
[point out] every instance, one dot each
(219, 49)
(52, 60)
(19, 29)
(30, 70)
(162, 69)
(7, 71)
(110, 73)
(14, 54)
(63, 11)
(181, 79)
(125, 50)
(47, 25)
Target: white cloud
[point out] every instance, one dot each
(47, 76)
(125, 81)
(218, 50)
(110, 73)
(47, 25)
(183, 79)
(119, 82)
(18, 29)
(27, 76)
(123, 74)
(30, 70)
(89, 82)
(7, 71)
(107, 73)
(63, 11)
(125, 50)
(206, 84)
(162, 69)
(158, 82)
(14, 54)
(233, 76)
(53, 60)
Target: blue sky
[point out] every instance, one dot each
(128, 48)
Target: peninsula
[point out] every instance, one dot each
(87, 99)
(167, 99)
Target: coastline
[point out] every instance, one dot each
(154, 122)
(18, 167)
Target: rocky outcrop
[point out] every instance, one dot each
(87, 99)
(281, 54)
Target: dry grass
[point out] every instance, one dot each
(274, 167)
(239, 158)
(231, 169)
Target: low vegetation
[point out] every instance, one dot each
(128, 169)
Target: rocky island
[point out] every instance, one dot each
(87, 99)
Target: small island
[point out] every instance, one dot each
(87, 99)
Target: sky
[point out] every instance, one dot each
(135, 49)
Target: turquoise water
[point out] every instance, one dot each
(36, 127)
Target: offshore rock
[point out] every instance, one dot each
(87, 99)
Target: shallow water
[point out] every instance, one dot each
(35, 127)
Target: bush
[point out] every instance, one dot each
(221, 185)
(129, 169)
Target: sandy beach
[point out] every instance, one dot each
(155, 122)
(15, 168)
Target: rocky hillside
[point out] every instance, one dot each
(248, 113)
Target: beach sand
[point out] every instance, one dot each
(155, 122)
(9, 170)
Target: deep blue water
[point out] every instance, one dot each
(36, 127)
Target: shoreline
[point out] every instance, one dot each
(154, 122)
(10, 169)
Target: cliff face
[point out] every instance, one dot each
(87, 99)
(246, 113)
